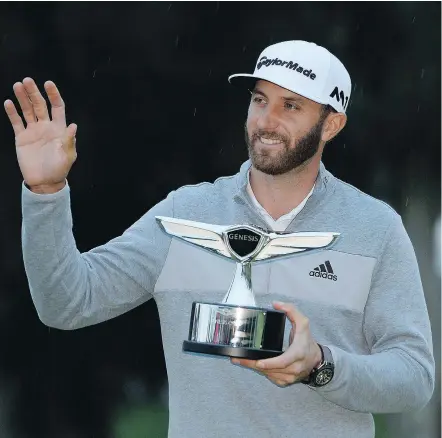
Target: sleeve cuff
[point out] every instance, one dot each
(29, 195)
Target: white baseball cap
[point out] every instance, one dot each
(306, 69)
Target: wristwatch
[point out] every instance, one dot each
(323, 373)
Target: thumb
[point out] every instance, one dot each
(293, 314)
(71, 130)
(69, 137)
(69, 141)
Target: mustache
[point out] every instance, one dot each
(269, 136)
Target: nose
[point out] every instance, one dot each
(267, 120)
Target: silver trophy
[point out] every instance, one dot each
(236, 327)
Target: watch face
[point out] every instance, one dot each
(324, 376)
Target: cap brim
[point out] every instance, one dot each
(247, 79)
(243, 79)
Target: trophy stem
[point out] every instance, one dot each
(240, 291)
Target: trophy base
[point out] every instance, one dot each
(228, 350)
(235, 331)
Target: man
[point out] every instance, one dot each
(366, 318)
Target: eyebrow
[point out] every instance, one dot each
(294, 98)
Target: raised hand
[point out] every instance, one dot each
(45, 148)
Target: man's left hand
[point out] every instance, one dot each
(296, 363)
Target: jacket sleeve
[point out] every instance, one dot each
(71, 290)
(398, 375)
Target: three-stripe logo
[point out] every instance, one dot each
(324, 270)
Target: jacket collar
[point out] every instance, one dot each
(325, 181)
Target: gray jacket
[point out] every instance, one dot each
(373, 317)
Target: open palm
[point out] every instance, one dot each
(45, 148)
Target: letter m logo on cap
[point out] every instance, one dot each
(339, 96)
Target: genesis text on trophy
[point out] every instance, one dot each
(236, 327)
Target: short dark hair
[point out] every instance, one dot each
(326, 110)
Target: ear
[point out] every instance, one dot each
(333, 125)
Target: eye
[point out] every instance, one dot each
(290, 106)
(258, 99)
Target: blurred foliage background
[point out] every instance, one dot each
(146, 82)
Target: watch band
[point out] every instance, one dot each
(323, 373)
(327, 354)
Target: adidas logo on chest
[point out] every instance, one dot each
(324, 270)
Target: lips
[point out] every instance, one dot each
(269, 141)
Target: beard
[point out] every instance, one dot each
(288, 158)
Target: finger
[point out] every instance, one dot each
(293, 314)
(38, 101)
(282, 379)
(14, 117)
(58, 110)
(292, 335)
(280, 362)
(25, 103)
(244, 362)
(299, 323)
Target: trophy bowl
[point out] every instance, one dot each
(237, 331)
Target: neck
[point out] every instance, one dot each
(280, 194)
